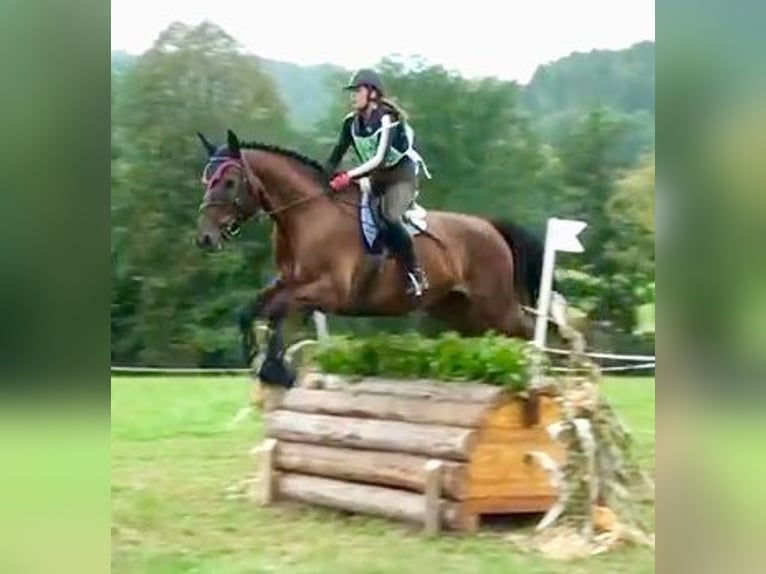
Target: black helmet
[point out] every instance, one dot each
(366, 77)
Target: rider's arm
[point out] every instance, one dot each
(344, 141)
(386, 125)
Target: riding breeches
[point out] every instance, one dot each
(394, 189)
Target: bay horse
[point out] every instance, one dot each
(480, 272)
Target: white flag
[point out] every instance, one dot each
(562, 234)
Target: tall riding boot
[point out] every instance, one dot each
(401, 242)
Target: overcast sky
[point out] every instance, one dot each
(477, 38)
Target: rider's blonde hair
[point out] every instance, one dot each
(396, 106)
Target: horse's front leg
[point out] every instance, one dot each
(254, 309)
(310, 296)
(274, 370)
(257, 308)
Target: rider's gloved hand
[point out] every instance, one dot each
(340, 181)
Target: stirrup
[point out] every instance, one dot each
(417, 284)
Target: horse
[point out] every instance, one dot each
(481, 272)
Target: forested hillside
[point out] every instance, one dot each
(621, 80)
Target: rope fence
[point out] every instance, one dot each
(177, 371)
(645, 362)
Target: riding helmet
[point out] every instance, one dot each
(366, 77)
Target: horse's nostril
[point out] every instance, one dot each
(205, 241)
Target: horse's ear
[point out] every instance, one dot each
(208, 146)
(233, 143)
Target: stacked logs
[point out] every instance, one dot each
(439, 454)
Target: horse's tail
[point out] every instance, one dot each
(528, 253)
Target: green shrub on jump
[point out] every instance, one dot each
(491, 359)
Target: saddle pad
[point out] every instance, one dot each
(415, 220)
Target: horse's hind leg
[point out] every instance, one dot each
(518, 323)
(248, 343)
(477, 316)
(509, 320)
(456, 312)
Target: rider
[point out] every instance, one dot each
(383, 142)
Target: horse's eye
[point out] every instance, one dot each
(229, 184)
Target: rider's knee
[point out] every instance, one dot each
(387, 215)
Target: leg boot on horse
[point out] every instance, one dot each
(249, 313)
(274, 370)
(255, 309)
(301, 299)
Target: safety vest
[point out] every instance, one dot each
(367, 145)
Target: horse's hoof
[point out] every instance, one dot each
(275, 372)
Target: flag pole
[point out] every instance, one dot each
(546, 285)
(560, 235)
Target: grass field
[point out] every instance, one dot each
(173, 458)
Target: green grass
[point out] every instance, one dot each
(173, 458)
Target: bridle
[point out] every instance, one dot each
(247, 179)
(211, 181)
(250, 182)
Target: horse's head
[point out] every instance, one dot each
(232, 193)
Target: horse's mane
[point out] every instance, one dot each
(317, 168)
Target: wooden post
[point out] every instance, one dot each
(432, 496)
(267, 484)
(320, 322)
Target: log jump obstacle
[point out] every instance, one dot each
(438, 454)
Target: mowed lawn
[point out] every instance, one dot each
(174, 458)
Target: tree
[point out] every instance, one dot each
(631, 212)
(620, 247)
(171, 303)
(622, 81)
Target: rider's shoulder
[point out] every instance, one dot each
(387, 109)
(347, 121)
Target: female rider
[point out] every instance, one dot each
(383, 142)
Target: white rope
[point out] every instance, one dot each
(291, 350)
(597, 355)
(236, 371)
(594, 355)
(613, 369)
(178, 371)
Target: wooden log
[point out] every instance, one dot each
(370, 466)
(420, 389)
(434, 441)
(364, 499)
(388, 407)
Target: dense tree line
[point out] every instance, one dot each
(174, 305)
